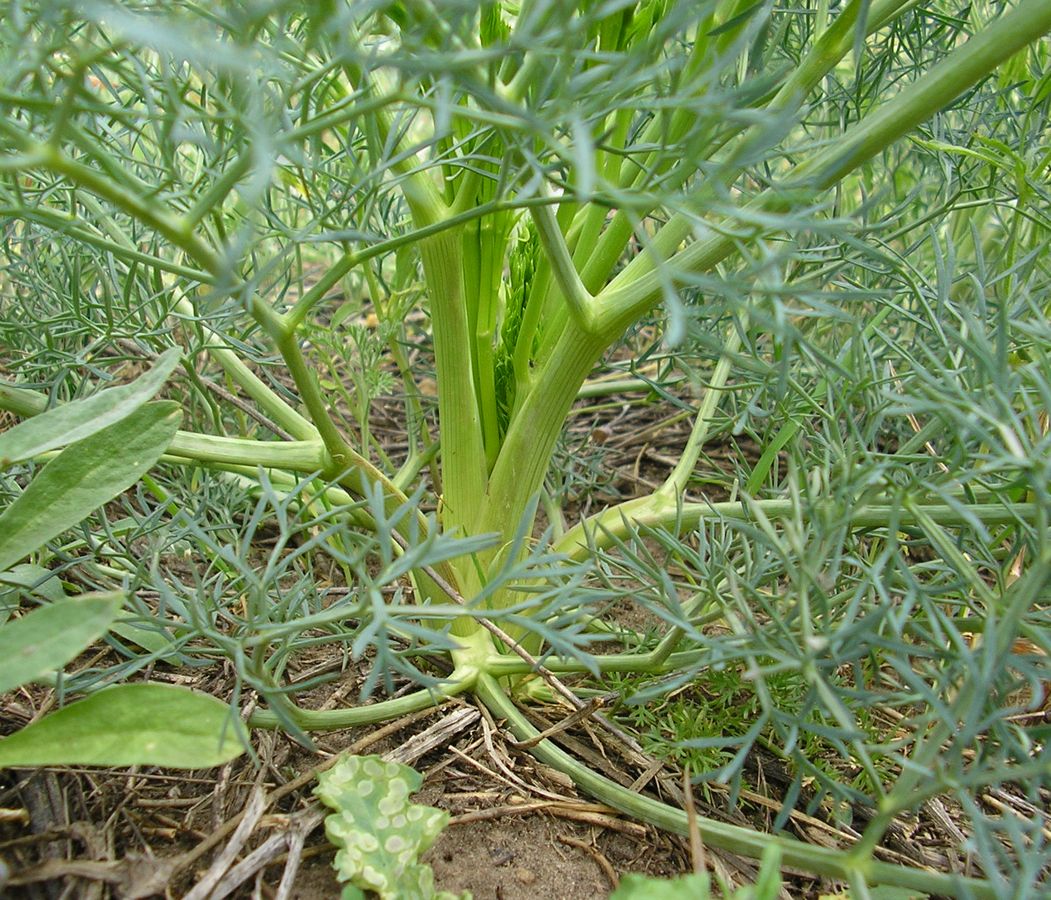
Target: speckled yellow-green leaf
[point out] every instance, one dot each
(380, 833)
(84, 476)
(131, 724)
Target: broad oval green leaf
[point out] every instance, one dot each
(24, 580)
(49, 637)
(131, 724)
(75, 421)
(154, 641)
(84, 476)
(34, 580)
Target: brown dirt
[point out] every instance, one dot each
(517, 831)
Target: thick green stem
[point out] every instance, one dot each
(343, 456)
(464, 473)
(655, 662)
(335, 719)
(492, 243)
(530, 440)
(281, 412)
(573, 291)
(795, 854)
(462, 446)
(618, 522)
(295, 456)
(962, 69)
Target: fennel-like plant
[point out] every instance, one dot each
(833, 216)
